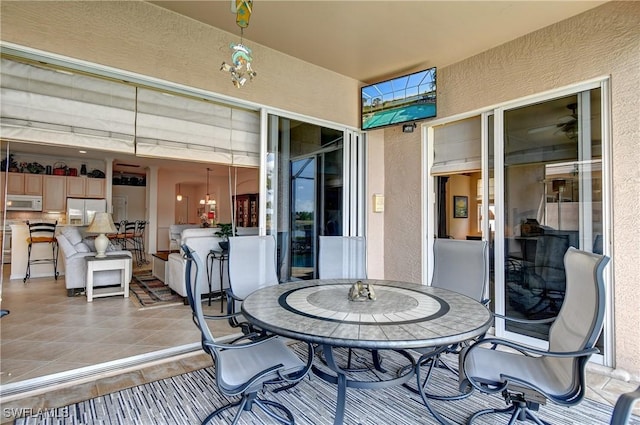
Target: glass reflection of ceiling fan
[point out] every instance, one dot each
(567, 124)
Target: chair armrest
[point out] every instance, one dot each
(528, 351)
(530, 321)
(623, 407)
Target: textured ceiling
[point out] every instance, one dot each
(374, 40)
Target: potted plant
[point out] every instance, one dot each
(225, 230)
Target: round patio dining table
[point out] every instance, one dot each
(403, 316)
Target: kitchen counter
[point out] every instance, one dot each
(19, 253)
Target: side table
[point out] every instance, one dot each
(113, 262)
(221, 256)
(160, 265)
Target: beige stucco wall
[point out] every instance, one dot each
(603, 41)
(375, 220)
(143, 38)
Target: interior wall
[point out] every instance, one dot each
(458, 228)
(602, 41)
(136, 200)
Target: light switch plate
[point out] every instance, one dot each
(378, 203)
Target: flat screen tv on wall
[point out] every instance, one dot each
(399, 100)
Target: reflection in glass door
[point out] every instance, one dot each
(552, 200)
(316, 208)
(303, 216)
(305, 182)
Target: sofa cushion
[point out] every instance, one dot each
(72, 234)
(201, 241)
(67, 249)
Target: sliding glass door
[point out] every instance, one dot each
(308, 191)
(540, 183)
(552, 200)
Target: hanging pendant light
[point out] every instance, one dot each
(179, 195)
(207, 198)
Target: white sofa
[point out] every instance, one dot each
(73, 249)
(201, 240)
(175, 232)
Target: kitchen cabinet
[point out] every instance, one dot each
(85, 187)
(24, 184)
(54, 193)
(246, 210)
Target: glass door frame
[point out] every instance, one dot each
(429, 199)
(354, 173)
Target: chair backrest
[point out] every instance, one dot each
(252, 264)
(41, 231)
(342, 257)
(580, 318)
(461, 266)
(140, 226)
(120, 226)
(549, 264)
(193, 287)
(129, 228)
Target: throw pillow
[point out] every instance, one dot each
(72, 234)
(81, 247)
(90, 243)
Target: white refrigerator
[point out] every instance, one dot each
(80, 212)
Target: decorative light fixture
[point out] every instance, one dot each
(207, 199)
(179, 195)
(240, 67)
(102, 223)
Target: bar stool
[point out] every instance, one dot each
(138, 239)
(42, 233)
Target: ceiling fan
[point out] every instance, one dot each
(567, 124)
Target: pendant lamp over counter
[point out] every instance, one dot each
(207, 198)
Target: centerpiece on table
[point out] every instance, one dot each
(362, 292)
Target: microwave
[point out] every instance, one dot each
(24, 203)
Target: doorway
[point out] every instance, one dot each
(316, 208)
(306, 186)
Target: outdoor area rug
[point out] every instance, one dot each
(189, 398)
(149, 291)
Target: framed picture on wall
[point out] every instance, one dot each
(460, 207)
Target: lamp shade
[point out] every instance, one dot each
(101, 223)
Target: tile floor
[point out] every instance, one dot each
(48, 332)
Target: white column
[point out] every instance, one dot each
(152, 209)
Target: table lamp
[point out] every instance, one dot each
(102, 223)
